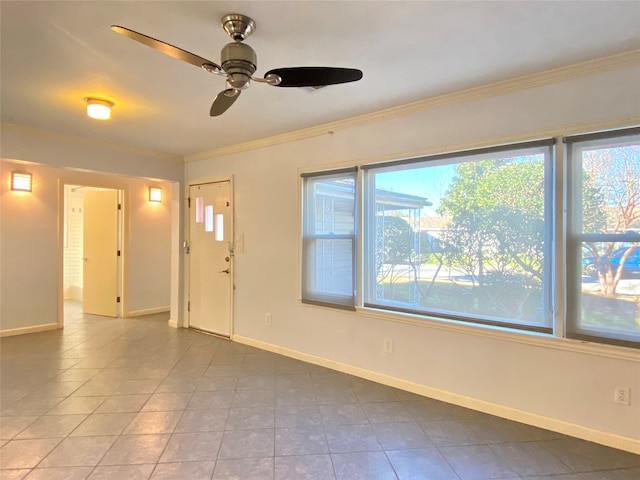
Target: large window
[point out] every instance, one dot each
(462, 236)
(507, 236)
(604, 233)
(329, 238)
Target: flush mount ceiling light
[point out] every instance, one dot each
(98, 108)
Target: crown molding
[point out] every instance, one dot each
(590, 67)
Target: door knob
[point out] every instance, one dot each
(224, 271)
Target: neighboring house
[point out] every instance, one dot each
(333, 213)
(433, 230)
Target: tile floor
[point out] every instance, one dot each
(135, 399)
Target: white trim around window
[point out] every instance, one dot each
(480, 241)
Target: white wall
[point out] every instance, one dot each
(30, 269)
(554, 383)
(73, 243)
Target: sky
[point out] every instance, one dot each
(429, 182)
(432, 182)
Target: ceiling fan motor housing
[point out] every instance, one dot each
(239, 62)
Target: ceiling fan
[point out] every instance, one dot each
(239, 62)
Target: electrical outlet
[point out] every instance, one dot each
(622, 395)
(387, 345)
(267, 319)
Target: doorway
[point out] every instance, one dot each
(210, 257)
(92, 249)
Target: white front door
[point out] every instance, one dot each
(210, 275)
(100, 244)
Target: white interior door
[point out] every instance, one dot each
(210, 275)
(100, 243)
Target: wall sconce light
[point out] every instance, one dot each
(21, 181)
(155, 194)
(98, 108)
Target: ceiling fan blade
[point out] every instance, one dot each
(165, 48)
(314, 76)
(223, 101)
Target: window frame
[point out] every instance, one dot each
(574, 145)
(450, 158)
(309, 294)
(559, 256)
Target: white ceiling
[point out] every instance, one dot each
(53, 54)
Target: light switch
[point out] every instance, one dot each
(239, 247)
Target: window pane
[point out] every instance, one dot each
(333, 206)
(329, 239)
(610, 189)
(604, 298)
(332, 267)
(464, 238)
(199, 209)
(219, 227)
(610, 290)
(208, 218)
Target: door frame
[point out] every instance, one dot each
(187, 237)
(123, 222)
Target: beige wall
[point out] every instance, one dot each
(31, 283)
(550, 382)
(28, 250)
(53, 149)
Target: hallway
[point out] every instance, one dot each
(135, 399)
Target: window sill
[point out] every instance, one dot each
(502, 333)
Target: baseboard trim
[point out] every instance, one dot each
(175, 323)
(32, 329)
(147, 311)
(560, 426)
